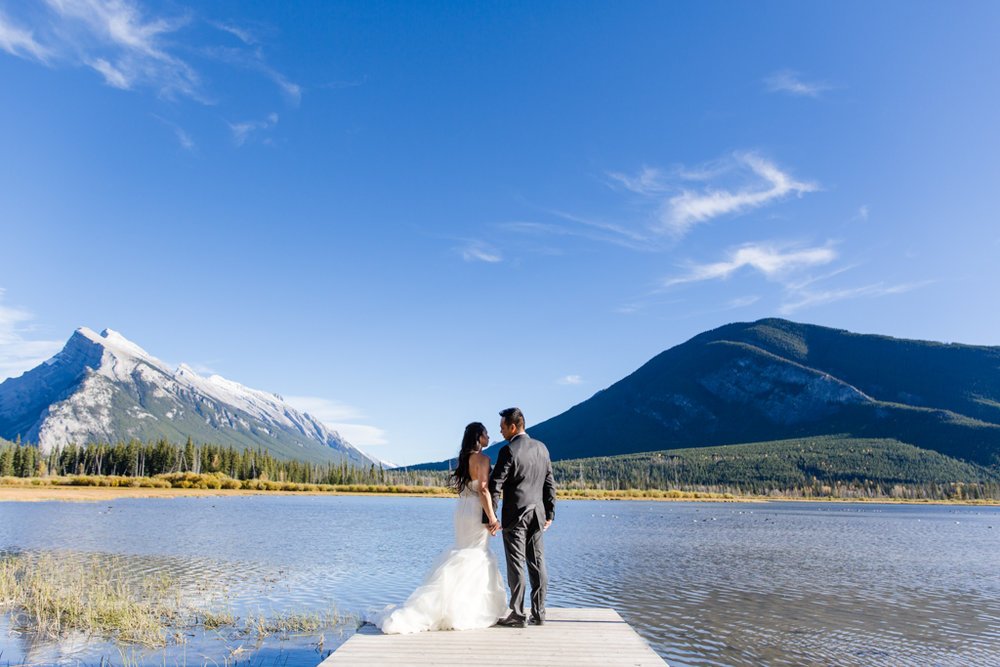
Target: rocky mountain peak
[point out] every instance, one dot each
(105, 388)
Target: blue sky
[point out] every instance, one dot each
(407, 216)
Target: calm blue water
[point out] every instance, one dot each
(704, 583)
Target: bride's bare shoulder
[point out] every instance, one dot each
(478, 462)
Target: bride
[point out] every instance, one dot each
(463, 589)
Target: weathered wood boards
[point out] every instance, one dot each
(569, 637)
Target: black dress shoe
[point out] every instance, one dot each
(536, 620)
(512, 621)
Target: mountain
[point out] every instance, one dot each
(789, 467)
(104, 388)
(773, 380)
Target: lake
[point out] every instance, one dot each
(779, 583)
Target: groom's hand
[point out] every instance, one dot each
(494, 527)
(547, 524)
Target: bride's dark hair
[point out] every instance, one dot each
(460, 476)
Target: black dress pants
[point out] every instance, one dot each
(522, 543)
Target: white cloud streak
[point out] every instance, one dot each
(129, 47)
(244, 131)
(732, 185)
(683, 211)
(244, 35)
(292, 91)
(806, 298)
(20, 42)
(771, 260)
(790, 82)
(478, 251)
(17, 353)
(112, 75)
(784, 265)
(742, 302)
(570, 380)
(594, 230)
(183, 137)
(342, 418)
(648, 181)
(115, 39)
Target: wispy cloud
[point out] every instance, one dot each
(582, 227)
(648, 181)
(130, 46)
(244, 131)
(608, 231)
(117, 39)
(360, 435)
(342, 418)
(570, 379)
(790, 82)
(245, 35)
(250, 56)
(293, 91)
(17, 352)
(789, 267)
(183, 137)
(20, 41)
(742, 302)
(801, 283)
(767, 184)
(671, 202)
(772, 260)
(807, 298)
(206, 368)
(479, 251)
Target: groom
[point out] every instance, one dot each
(524, 474)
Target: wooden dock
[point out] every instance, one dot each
(569, 637)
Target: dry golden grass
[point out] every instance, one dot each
(173, 485)
(177, 485)
(50, 597)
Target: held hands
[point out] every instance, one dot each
(493, 527)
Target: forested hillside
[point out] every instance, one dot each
(774, 380)
(817, 467)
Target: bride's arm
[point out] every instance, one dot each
(482, 473)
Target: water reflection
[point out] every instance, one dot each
(797, 583)
(705, 584)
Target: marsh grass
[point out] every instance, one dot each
(292, 623)
(211, 620)
(216, 481)
(51, 597)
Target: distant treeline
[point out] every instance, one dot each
(138, 459)
(820, 467)
(826, 466)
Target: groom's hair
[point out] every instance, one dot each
(513, 417)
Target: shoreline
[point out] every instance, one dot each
(67, 493)
(101, 493)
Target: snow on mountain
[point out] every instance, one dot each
(105, 388)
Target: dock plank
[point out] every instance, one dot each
(569, 637)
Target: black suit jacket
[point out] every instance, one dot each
(523, 474)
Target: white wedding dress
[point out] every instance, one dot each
(463, 589)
